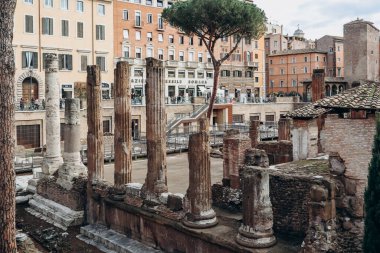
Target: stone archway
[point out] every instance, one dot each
(26, 77)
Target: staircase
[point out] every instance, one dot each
(192, 117)
(109, 241)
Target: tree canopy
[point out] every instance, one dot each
(212, 20)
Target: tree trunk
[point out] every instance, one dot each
(214, 90)
(7, 137)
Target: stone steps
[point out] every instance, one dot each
(54, 213)
(109, 241)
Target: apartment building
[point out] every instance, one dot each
(79, 32)
(288, 69)
(140, 32)
(334, 46)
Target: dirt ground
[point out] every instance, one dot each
(48, 238)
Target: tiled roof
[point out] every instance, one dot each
(307, 111)
(365, 96)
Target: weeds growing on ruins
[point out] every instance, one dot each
(212, 20)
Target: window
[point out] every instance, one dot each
(275, 43)
(191, 56)
(65, 28)
(160, 23)
(160, 54)
(224, 39)
(65, 62)
(200, 42)
(281, 83)
(294, 70)
(138, 72)
(190, 74)
(160, 3)
(64, 4)
(256, 56)
(125, 51)
(29, 59)
(181, 39)
(48, 3)
(270, 62)
(209, 75)
(137, 1)
(149, 36)
(237, 118)
(101, 62)
(100, 32)
(305, 69)
(171, 55)
(271, 83)
(138, 53)
(200, 74)
(338, 59)
(256, 44)
(248, 74)
(83, 63)
(282, 71)
(79, 29)
(125, 34)
(225, 73)
(138, 35)
(305, 58)
(237, 73)
(80, 6)
(29, 136)
(200, 57)
(294, 60)
(150, 18)
(171, 73)
(269, 118)
(181, 73)
(160, 37)
(171, 39)
(149, 52)
(148, 2)
(125, 14)
(28, 1)
(338, 48)
(247, 41)
(256, 79)
(138, 18)
(294, 83)
(191, 41)
(209, 60)
(47, 26)
(181, 56)
(28, 24)
(101, 9)
(317, 58)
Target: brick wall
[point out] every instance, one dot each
(278, 152)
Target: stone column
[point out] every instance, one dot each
(284, 129)
(256, 230)
(52, 159)
(254, 132)
(156, 181)
(123, 128)
(72, 164)
(95, 148)
(198, 198)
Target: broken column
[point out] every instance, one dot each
(198, 197)
(321, 234)
(52, 159)
(95, 149)
(284, 129)
(123, 129)
(72, 166)
(254, 132)
(256, 231)
(156, 180)
(234, 147)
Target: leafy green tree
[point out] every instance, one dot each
(371, 242)
(212, 20)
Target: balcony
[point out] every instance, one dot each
(138, 23)
(171, 63)
(252, 64)
(192, 64)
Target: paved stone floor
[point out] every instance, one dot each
(178, 172)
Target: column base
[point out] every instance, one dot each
(247, 237)
(67, 172)
(51, 165)
(206, 219)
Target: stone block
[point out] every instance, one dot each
(175, 201)
(318, 193)
(256, 157)
(350, 186)
(133, 189)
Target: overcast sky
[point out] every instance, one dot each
(318, 18)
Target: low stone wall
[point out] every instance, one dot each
(278, 152)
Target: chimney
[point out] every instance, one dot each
(318, 84)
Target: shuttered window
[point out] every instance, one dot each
(65, 62)
(28, 24)
(83, 62)
(79, 29)
(101, 62)
(65, 27)
(100, 32)
(47, 26)
(29, 59)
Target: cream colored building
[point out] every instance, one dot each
(79, 32)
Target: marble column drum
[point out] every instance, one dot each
(156, 179)
(198, 197)
(52, 159)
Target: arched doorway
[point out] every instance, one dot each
(334, 90)
(29, 89)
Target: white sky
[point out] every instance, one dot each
(319, 17)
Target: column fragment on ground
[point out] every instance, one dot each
(155, 181)
(198, 197)
(123, 128)
(52, 159)
(284, 129)
(256, 230)
(72, 166)
(254, 132)
(95, 149)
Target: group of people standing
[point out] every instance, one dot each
(33, 105)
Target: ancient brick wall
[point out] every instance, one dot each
(278, 152)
